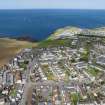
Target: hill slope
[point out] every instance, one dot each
(10, 47)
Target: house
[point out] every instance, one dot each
(81, 65)
(27, 50)
(1, 78)
(2, 102)
(8, 78)
(74, 42)
(101, 60)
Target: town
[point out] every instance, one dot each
(72, 74)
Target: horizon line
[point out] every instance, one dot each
(51, 9)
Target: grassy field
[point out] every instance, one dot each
(54, 43)
(94, 72)
(10, 47)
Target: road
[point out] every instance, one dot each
(24, 98)
(28, 83)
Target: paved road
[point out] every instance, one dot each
(28, 84)
(24, 98)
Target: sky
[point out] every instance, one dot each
(52, 4)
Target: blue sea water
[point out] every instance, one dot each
(39, 24)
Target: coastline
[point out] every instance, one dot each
(9, 47)
(69, 31)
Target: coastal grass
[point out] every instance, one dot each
(10, 47)
(54, 43)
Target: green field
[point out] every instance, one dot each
(13, 93)
(47, 72)
(94, 72)
(54, 43)
(74, 98)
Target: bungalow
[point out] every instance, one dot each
(1, 78)
(8, 78)
(101, 60)
(84, 103)
(81, 65)
(2, 102)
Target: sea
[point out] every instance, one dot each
(38, 24)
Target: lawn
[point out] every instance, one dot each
(85, 56)
(93, 71)
(54, 43)
(13, 93)
(67, 72)
(47, 72)
(23, 65)
(74, 98)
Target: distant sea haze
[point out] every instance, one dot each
(39, 24)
